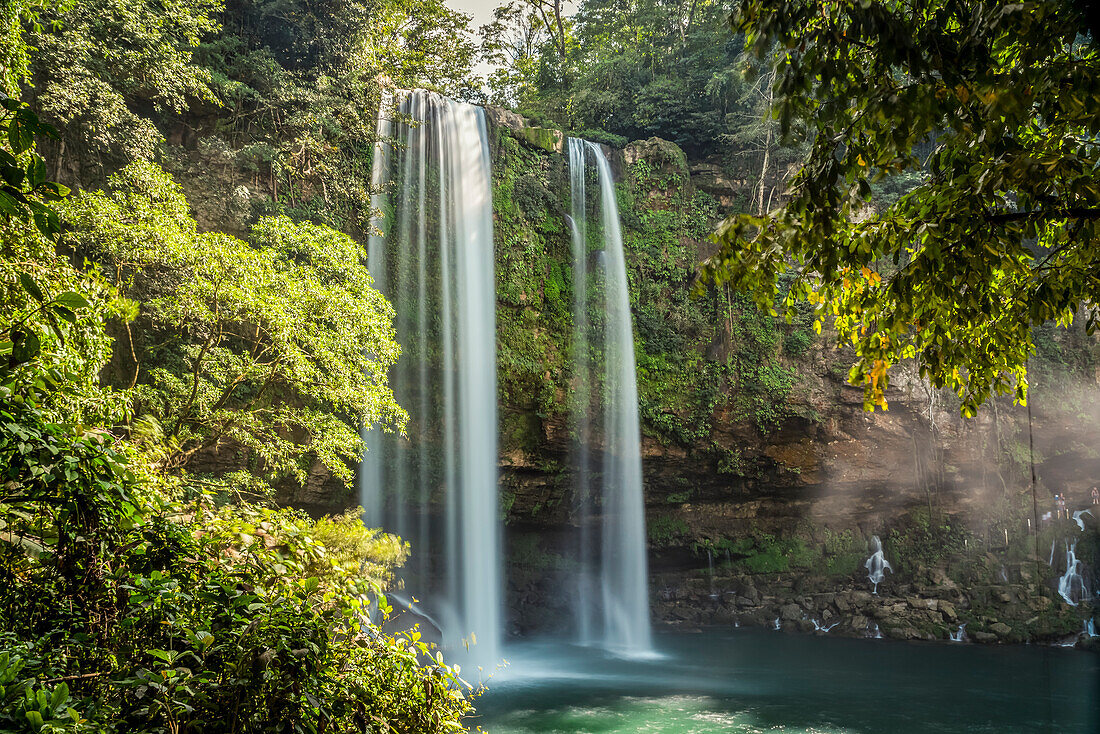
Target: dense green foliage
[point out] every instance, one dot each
(146, 588)
(259, 344)
(126, 608)
(996, 109)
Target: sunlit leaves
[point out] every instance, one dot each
(998, 108)
(280, 346)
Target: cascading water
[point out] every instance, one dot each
(876, 565)
(1071, 586)
(604, 350)
(432, 257)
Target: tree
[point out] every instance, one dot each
(511, 43)
(97, 63)
(996, 108)
(262, 345)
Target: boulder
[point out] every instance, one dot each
(1000, 629)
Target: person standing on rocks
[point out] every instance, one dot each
(1095, 496)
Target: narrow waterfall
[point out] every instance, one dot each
(606, 415)
(876, 565)
(1071, 585)
(432, 257)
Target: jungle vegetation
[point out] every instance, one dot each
(183, 205)
(142, 588)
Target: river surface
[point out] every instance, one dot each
(762, 681)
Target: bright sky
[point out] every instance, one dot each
(482, 10)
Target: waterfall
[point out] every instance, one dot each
(1071, 586)
(432, 257)
(876, 565)
(604, 354)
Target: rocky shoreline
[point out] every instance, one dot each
(935, 608)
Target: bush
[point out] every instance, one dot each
(127, 606)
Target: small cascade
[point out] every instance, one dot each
(777, 625)
(1078, 518)
(606, 414)
(959, 635)
(1090, 628)
(1051, 561)
(432, 257)
(876, 565)
(822, 627)
(874, 632)
(1071, 586)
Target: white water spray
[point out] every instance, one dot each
(1071, 586)
(876, 565)
(433, 259)
(622, 562)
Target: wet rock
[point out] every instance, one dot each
(1039, 604)
(939, 577)
(1000, 629)
(947, 609)
(790, 613)
(861, 597)
(917, 603)
(984, 637)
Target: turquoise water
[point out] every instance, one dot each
(755, 681)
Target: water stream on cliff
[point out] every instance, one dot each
(1071, 586)
(606, 415)
(433, 259)
(876, 565)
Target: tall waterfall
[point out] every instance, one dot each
(606, 415)
(433, 259)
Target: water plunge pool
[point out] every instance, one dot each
(759, 681)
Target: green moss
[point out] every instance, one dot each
(542, 138)
(666, 530)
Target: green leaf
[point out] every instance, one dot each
(31, 287)
(60, 696)
(9, 205)
(26, 347)
(20, 131)
(72, 300)
(36, 171)
(35, 720)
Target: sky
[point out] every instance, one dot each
(482, 10)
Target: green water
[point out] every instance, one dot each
(756, 681)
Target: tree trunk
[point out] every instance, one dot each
(767, 154)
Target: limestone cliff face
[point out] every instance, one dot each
(757, 454)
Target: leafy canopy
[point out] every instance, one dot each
(996, 108)
(280, 345)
